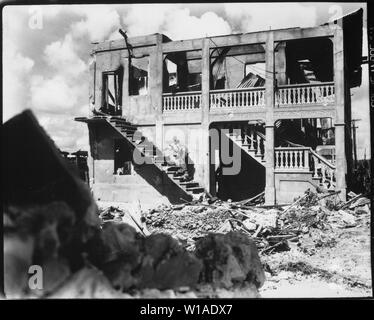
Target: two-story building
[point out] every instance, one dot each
(263, 111)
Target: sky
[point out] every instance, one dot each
(46, 51)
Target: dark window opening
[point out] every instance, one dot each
(309, 61)
(237, 67)
(182, 71)
(112, 93)
(122, 158)
(313, 132)
(138, 76)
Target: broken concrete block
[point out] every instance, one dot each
(115, 241)
(45, 176)
(347, 218)
(228, 259)
(268, 218)
(249, 225)
(166, 265)
(61, 209)
(362, 210)
(37, 235)
(225, 227)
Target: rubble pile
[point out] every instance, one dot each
(53, 228)
(205, 248)
(306, 223)
(187, 223)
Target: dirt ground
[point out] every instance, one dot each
(343, 270)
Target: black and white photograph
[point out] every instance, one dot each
(186, 151)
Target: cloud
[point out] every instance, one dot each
(60, 89)
(250, 17)
(47, 69)
(16, 67)
(174, 21)
(60, 55)
(52, 95)
(182, 25)
(98, 22)
(145, 19)
(67, 134)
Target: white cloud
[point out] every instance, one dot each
(98, 22)
(52, 95)
(55, 83)
(67, 134)
(173, 21)
(181, 25)
(61, 56)
(146, 19)
(261, 16)
(16, 67)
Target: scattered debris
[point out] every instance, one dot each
(203, 248)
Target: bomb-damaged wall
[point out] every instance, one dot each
(135, 64)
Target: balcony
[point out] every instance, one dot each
(247, 98)
(237, 98)
(305, 94)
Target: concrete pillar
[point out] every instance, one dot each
(341, 162)
(269, 125)
(205, 79)
(91, 86)
(98, 81)
(155, 86)
(280, 63)
(269, 165)
(126, 110)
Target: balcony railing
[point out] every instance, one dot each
(237, 98)
(290, 95)
(183, 101)
(305, 159)
(292, 159)
(305, 94)
(323, 169)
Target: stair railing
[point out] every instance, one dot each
(323, 169)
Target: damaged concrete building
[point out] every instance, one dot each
(277, 100)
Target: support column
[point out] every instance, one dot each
(269, 165)
(156, 71)
(341, 162)
(126, 110)
(91, 85)
(205, 79)
(280, 62)
(269, 125)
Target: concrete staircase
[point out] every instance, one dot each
(253, 145)
(293, 159)
(146, 151)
